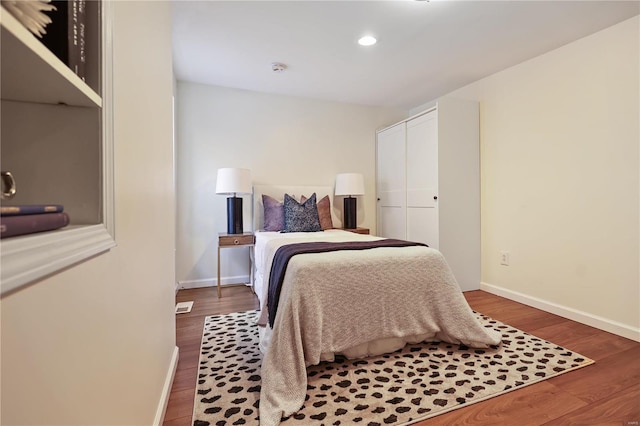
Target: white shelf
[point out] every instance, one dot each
(34, 84)
(31, 73)
(29, 257)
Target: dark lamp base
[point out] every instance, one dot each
(234, 215)
(350, 220)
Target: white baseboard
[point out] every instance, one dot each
(166, 389)
(582, 317)
(211, 282)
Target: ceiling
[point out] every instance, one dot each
(424, 50)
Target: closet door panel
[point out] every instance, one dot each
(422, 161)
(392, 223)
(422, 226)
(390, 182)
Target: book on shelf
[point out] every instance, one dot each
(30, 209)
(11, 226)
(65, 35)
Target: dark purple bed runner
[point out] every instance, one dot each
(286, 252)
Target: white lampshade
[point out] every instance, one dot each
(349, 184)
(233, 181)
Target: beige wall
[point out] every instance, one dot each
(93, 344)
(559, 168)
(283, 140)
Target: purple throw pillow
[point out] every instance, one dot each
(273, 214)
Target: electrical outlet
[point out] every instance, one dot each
(504, 258)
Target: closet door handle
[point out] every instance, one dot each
(435, 197)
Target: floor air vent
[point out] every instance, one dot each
(183, 307)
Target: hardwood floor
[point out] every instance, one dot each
(188, 336)
(606, 393)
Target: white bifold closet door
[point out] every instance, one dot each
(422, 179)
(390, 182)
(428, 183)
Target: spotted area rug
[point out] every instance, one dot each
(415, 383)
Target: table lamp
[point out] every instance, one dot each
(232, 181)
(349, 184)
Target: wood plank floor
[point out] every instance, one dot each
(605, 393)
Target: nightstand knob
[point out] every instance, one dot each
(236, 242)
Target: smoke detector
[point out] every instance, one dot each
(278, 67)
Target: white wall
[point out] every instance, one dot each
(283, 140)
(560, 179)
(94, 344)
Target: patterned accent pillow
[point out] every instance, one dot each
(273, 213)
(301, 217)
(324, 211)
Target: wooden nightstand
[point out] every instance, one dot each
(358, 230)
(246, 239)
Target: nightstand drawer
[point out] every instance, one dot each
(236, 240)
(358, 230)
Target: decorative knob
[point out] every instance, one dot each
(435, 197)
(236, 241)
(8, 184)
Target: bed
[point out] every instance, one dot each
(355, 303)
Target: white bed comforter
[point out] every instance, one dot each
(331, 302)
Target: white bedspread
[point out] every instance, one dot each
(267, 243)
(333, 301)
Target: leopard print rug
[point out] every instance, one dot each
(411, 384)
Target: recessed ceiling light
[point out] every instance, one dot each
(367, 41)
